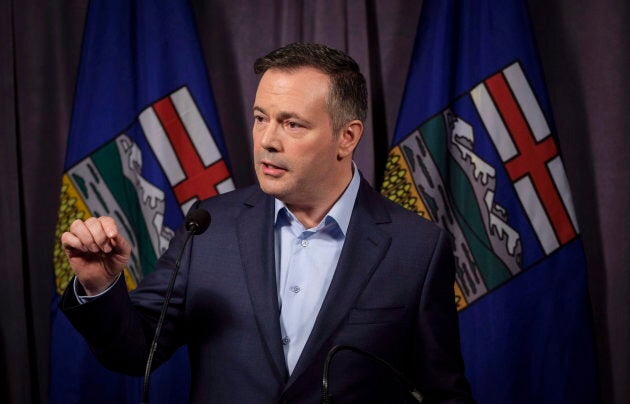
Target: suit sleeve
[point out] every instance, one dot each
(437, 352)
(119, 326)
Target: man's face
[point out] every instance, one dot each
(295, 151)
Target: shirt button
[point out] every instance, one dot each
(304, 243)
(285, 340)
(295, 289)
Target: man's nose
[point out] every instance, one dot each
(270, 139)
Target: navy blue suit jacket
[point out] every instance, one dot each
(391, 295)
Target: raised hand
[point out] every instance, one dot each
(97, 252)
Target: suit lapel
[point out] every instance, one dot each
(256, 243)
(363, 250)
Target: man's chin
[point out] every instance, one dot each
(270, 188)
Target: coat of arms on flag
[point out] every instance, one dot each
(109, 181)
(436, 171)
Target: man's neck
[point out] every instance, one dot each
(311, 213)
(309, 216)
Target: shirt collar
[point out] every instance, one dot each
(341, 211)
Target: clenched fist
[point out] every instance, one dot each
(97, 252)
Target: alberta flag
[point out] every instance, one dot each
(144, 144)
(475, 150)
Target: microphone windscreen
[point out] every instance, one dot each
(197, 221)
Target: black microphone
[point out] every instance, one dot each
(409, 387)
(196, 222)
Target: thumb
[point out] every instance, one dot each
(120, 249)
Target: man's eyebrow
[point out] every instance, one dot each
(259, 109)
(282, 115)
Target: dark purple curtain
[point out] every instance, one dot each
(583, 46)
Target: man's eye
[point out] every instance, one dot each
(293, 125)
(258, 118)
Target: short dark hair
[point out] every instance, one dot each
(347, 98)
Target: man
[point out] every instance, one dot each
(310, 258)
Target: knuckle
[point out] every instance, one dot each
(91, 220)
(76, 223)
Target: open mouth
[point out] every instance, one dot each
(271, 169)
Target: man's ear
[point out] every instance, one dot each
(349, 137)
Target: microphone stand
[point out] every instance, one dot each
(409, 388)
(196, 223)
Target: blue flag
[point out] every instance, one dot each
(475, 150)
(144, 145)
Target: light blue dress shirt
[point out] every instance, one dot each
(306, 260)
